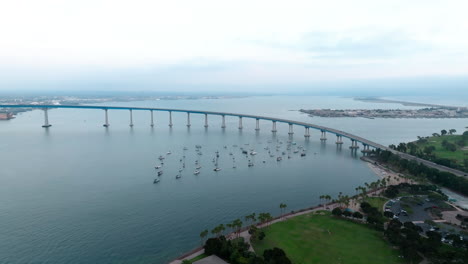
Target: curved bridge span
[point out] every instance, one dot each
(324, 130)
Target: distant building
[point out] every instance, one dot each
(6, 116)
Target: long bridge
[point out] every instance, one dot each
(307, 126)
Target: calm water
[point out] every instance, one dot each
(80, 193)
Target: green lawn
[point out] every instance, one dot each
(441, 152)
(376, 202)
(202, 256)
(325, 239)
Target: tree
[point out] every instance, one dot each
(251, 217)
(443, 132)
(213, 246)
(276, 256)
(282, 206)
(237, 224)
(357, 215)
(388, 214)
(203, 234)
(452, 131)
(218, 230)
(337, 211)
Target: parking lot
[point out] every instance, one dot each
(413, 209)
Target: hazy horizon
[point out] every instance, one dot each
(213, 46)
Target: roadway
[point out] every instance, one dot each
(257, 117)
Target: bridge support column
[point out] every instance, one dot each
(354, 145)
(188, 119)
(152, 120)
(273, 129)
(307, 132)
(240, 122)
(170, 118)
(323, 136)
(339, 140)
(291, 129)
(106, 122)
(257, 126)
(366, 149)
(223, 125)
(46, 118)
(206, 120)
(131, 117)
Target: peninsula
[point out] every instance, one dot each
(440, 112)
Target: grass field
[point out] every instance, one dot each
(324, 239)
(202, 256)
(441, 152)
(376, 202)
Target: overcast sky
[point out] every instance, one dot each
(164, 45)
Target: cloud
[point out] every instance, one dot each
(240, 42)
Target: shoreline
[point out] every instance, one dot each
(376, 168)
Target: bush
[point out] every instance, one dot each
(388, 214)
(357, 215)
(347, 213)
(276, 256)
(337, 211)
(213, 246)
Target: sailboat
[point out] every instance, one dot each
(216, 162)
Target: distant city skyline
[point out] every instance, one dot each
(242, 46)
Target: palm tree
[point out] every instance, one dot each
(203, 234)
(230, 226)
(327, 198)
(282, 206)
(251, 218)
(268, 218)
(237, 224)
(218, 230)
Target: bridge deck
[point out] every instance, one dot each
(288, 121)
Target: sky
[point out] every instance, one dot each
(232, 45)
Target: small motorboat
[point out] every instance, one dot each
(178, 176)
(157, 167)
(253, 153)
(198, 167)
(216, 169)
(160, 173)
(196, 172)
(303, 154)
(250, 164)
(161, 158)
(168, 153)
(279, 158)
(156, 180)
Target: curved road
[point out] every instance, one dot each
(273, 119)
